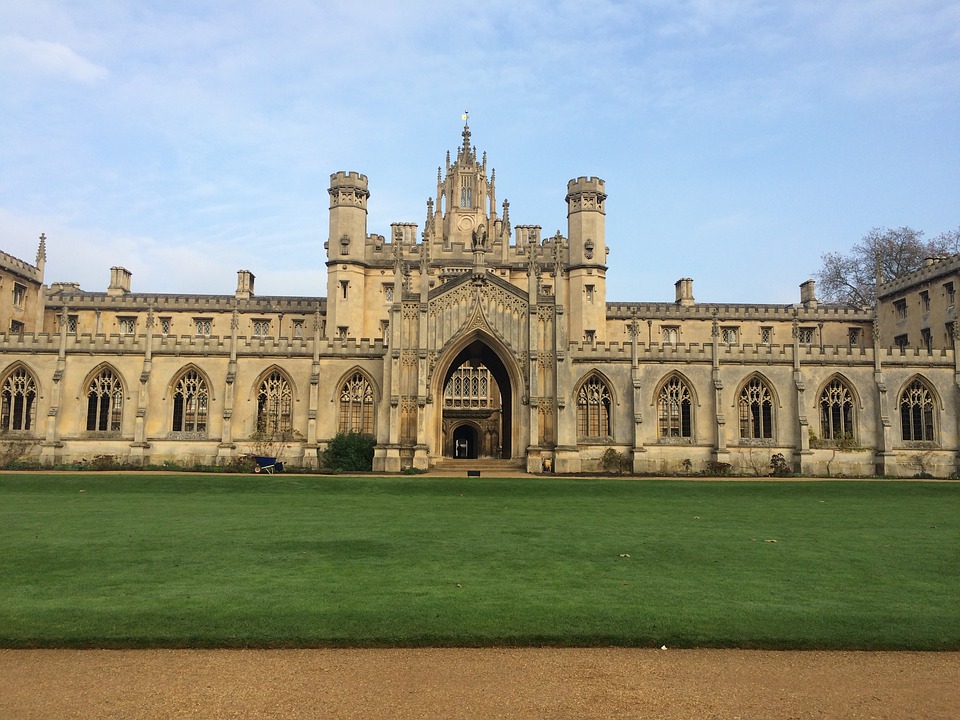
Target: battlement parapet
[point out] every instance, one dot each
(351, 347)
(933, 268)
(28, 342)
(600, 350)
(916, 356)
(725, 312)
(21, 267)
(142, 302)
(585, 184)
(348, 179)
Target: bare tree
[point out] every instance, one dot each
(883, 254)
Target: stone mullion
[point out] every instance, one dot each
(314, 391)
(956, 381)
(421, 459)
(720, 452)
(139, 444)
(883, 458)
(227, 446)
(635, 378)
(51, 445)
(534, 463)
(803, 423)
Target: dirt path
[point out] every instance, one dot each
(484, 683)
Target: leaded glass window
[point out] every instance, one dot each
(18, 401)
(274, 405)
(104, 402)
(917, 413)
(356, 405)
(190, 403)
(756, 411)
(469, 387)
(836, 412)
(593, 408)
(674, 410)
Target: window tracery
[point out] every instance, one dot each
(104, 402)
(468, 387)
(593, 408)
(17, 401)
(756, 411)
(917, 417)
(274, 405)
(674, 410)
(190, 403)
(356, 405)
(836, 412)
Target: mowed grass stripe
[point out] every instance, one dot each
(225, 561)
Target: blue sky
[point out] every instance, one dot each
(739, 139)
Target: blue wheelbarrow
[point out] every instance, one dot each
(266, 464)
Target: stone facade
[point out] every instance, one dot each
(471, 337)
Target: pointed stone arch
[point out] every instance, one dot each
(190, 393)
(594, 397)
(105, 392)
(837, 406)
(19, 391)
(919, 406)
(675, 400)
(357, 396)
(275, 395)
(480, 344)
(757, 403)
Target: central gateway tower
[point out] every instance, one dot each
(475, 314)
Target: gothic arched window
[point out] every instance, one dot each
(356, 405)
(836, 412)
(674, 410)
(190, 403)
(593, 408)
(756, 411)
(274, 405)
(104, 402)
(917, 412)
(19, 396)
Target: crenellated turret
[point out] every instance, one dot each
(586, 215)
(346, 245)
(348, 216)
(586, 233)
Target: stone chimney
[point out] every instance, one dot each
(245, 280)
(684, 288)
(119, 281)
(808, 295)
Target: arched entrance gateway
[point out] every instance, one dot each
(476, 402)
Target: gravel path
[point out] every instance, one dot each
(477, 683)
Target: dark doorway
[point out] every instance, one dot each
(476, 354)
(465, 442)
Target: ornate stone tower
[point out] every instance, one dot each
(346, 247)
(466, 199)
(586, 216)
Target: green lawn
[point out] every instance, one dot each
(223, 561)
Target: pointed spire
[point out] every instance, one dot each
(467, 153)
(42, 249)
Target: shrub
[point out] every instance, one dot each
(717, 469)
(349, 452)
(613, 461)
(779, 467)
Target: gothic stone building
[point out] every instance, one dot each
(471, 337)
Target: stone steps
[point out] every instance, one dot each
(485, 466)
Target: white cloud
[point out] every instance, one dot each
(18, 55)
